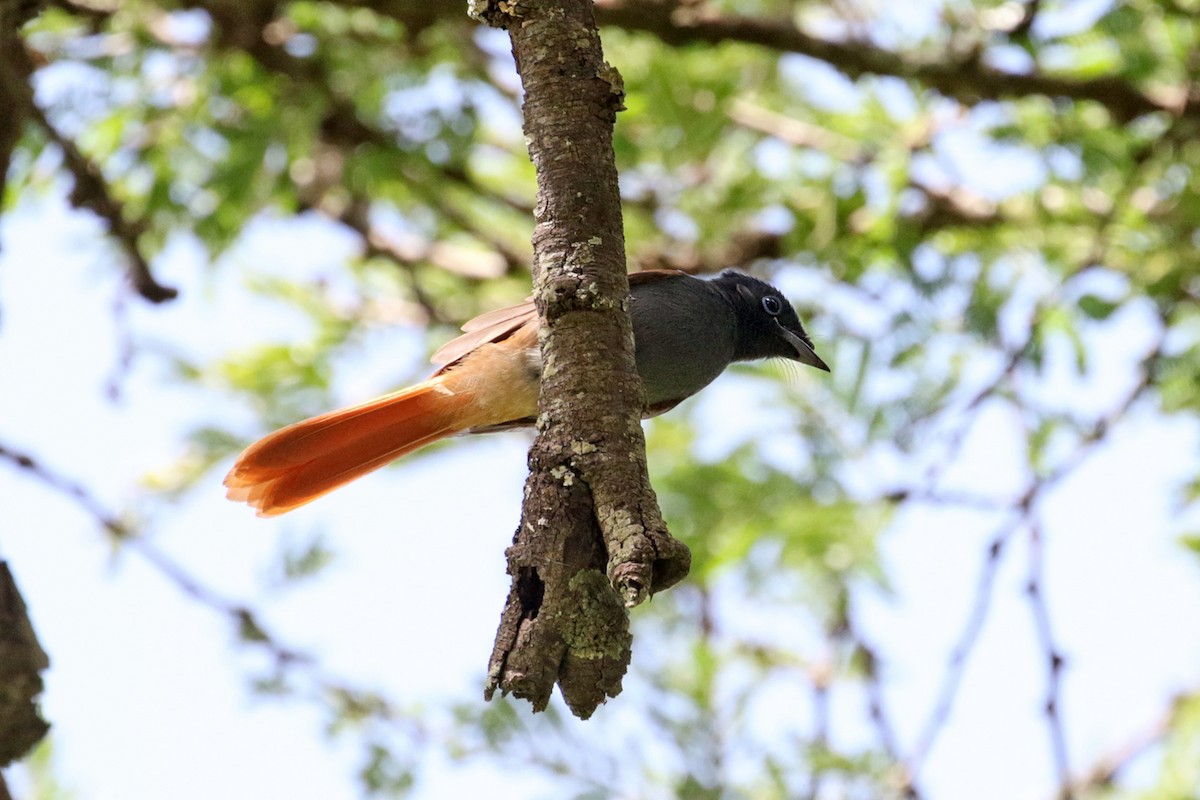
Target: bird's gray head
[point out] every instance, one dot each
(767, 324)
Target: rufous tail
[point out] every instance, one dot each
(297, 464)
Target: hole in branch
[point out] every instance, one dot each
(530, 589)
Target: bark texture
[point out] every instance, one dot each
(22, 661)
(14, 79)
(592, 540)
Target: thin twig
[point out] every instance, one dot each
(1054, 660)
(956, 668)
(125, 532)
(1025, 515)
(1108, 768)
(885, 731)
(340, 697)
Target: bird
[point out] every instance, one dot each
(687, 330)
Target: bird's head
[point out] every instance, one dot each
(767, 325)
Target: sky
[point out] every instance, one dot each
(141, 674)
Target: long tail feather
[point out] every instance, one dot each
(299, 463)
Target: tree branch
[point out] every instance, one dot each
(1023, 514)
(242, 28)
(966, 79)
(22, 661)
(13, 90)
(243, 619)
(1054, 660)
(589, 508)
(341, 697)
(92, 192)
(956, 668)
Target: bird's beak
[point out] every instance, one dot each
(804, 353)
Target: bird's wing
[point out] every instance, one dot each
(494, 326)
(498, 325)
(653, 276)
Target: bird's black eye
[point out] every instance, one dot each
(771, 305)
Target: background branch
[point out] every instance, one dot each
(93, 193)
(966, 79)
(22, 661)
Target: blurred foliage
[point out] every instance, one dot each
(950, 255)
(40, 772)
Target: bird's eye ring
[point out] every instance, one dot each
(772, 305)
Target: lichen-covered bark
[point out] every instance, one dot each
(591, 540)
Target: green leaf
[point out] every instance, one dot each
(1096, 307)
